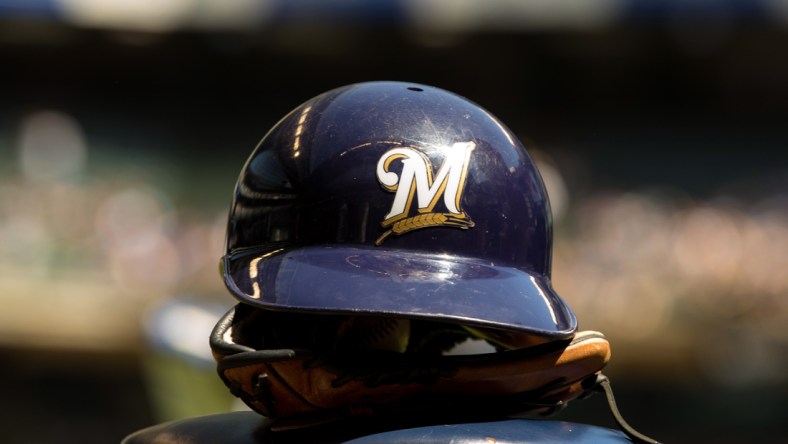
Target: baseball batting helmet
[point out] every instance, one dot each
(395, 199)
(373, 229)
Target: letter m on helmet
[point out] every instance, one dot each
(416, 180)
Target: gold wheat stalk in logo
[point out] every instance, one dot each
(427, 220)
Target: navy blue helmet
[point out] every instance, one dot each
(395, 199)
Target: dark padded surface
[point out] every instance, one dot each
(250, 428)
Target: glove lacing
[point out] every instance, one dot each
(602, 384)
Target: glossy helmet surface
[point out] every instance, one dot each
(395, 199)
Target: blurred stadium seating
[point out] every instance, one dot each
(659, 128)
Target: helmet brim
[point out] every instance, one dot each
(377, 281)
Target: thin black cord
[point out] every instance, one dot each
(603, 382)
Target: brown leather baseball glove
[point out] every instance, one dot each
(299, 383)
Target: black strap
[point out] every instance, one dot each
(603, 383)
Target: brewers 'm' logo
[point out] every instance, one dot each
(416, 179)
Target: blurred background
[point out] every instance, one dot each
(659, 127)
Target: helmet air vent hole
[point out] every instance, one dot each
(413, 88)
